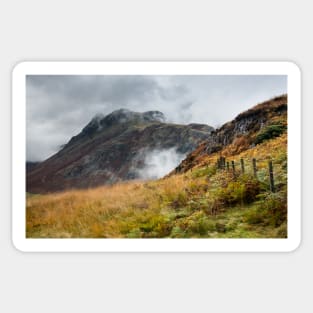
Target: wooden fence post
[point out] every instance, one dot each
(219, 163)
(242, 166)
(233, 166)
(254, 167)
(271, 174)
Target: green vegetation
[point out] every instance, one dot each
(202, 203)
(269, 132)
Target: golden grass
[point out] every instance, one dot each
(159, 208)
(93, 212)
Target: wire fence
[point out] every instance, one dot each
(245, 166)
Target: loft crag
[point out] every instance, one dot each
(111, 149)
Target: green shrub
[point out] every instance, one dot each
(201, 226)
(146, 225)
(276, 206)
(220, 227)
(252, 188)
(232, 194)
(180, 200)
(272, 210)
(197, 187)
(269, 132)
(244, 190)
(204, 171)
(256, 216)
(177, 232)
(196, 225)
(134, 233)
(155, 226)
(231, 225)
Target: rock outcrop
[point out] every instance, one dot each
(240, 133)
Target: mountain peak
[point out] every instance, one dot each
(122, 116)
(125, 115)
(156, 116)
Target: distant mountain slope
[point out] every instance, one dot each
(30, 166)
(113, 148)
(266, 119)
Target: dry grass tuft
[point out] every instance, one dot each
(96, 212)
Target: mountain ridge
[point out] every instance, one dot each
(112, 148)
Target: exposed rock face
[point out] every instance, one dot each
(112, 148)
(246, 123)
(240, 133)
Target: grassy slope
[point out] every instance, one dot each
(202, 202)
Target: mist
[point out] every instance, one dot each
(158, 163)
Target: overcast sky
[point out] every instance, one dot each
(58, 107)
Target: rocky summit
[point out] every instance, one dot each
(113, 148)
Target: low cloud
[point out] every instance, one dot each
(158, 163)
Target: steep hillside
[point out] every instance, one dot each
(201, 199)
(113, 148)
(267, 119)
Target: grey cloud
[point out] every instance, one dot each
(69, 102)
(58, 107)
